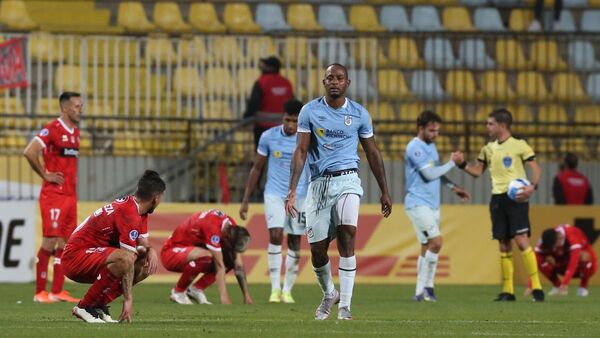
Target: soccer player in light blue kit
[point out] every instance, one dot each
(329, 129)
(276, 145)
(424, 173)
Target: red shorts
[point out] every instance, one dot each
(83, 265)
(175, 258)
(59, 214)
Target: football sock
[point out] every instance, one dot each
(347, 272)
(58, 278)
(275, 266)
(431, 261)
(531, 267)
(205, 281)
(292, 259)
(506, 263)
(587, 270)
(96, 293)
(420, 275)
(41, 276)
(324, 278)
(115, 291)
(189, 273)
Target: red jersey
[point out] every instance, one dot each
(117, 224)
(201, 229)
(276, 90)
(61, 149)
(575, 186)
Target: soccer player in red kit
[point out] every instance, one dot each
(110, 249)
(207, 242)
(565, 250)
(58, 141)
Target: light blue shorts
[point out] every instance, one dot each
(426, 222)
(277, 217)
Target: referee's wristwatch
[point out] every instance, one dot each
(462, 165)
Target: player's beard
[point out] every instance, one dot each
(151, 210)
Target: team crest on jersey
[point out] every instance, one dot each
(65, 138)
(214, 239)
(309, 232)
(347, 120)
(72, 139)
(44, 132)
(277, 154)
(507, 161)
(122, 199)
(133, 235)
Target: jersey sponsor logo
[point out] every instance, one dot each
(507, 161)
(44, 132)
(277, 154)
(133, 235)
(122, 199)
(330, 133)
(65, 138)
(321, 118)
(348, 120)
(72, 139)
(69, 152)
(215, 239)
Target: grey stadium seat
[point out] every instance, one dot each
(593, 87)
(582, 55)
(488, 20)
(270, 17)
(394, 19)
(426, 19)
(590, 21)
(426, 85)
(333, 18)
(472, 54)
(438, 53)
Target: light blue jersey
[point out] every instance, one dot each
(279, 147)
(419, 192)
(335, 132)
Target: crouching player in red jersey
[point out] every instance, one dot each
(110, 249)
(208, 242)
(565, 251)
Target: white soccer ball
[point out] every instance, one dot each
(515, 186)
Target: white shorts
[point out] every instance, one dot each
(426, 222)
(277, 217)
(331, 202)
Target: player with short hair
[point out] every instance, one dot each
(111, 250)
(329, 129)
(275, 147)
(566, 251)
(206, 242)
(424, 173)
(58, 142)
(506, 158)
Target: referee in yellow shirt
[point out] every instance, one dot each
(506, 157)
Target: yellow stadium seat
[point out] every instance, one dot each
(314, 82)
(44, 47)
(364, 19)
(587, 119)
(297, 84)
(530, 86)
(545, 56)
(403, 52)
(301, 17)
(203, 17)
(594, 3)
(398, 145)
(106, 51)
(246, 78)
(14, 106)
(168, 18)
(217, 109)
(46, 106)
(460, 84)
(409, 113)
(297, 50)
(227, 50)
(457, 19)
(194, 50)
(132, 17)
(187, 81)
(160, 50)
(510, 55)
(555, 116)
(523, 118)
(366, 50)
(70, 78)
(391, 84)
(384, 112)
(14, 15)
(453, 117)
(219, 81)
(259, 47)
(125, 82)
(71, 17)
(495, 87)
(238, 18)
(567, 87)
(520, 19)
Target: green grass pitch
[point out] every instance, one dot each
(378, 311)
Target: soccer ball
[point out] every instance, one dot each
(515, 185)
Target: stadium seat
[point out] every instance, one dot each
(218, 81)
(510, 55)
(194, 50)
(552, 119)
(384, 112)
(588, 119)
(362, 87)
(364, 19)
(187, 81)
(566, 22)
(426, 85)
(167, 17)
(203, 17)
(566, 87)
(530, 86)
(460, 84)
(226, 49)
(457, 19)
(71, 17)
(367, 50)
(394, 19)
(132, 17)
(520, 19)
(523, 118)
(101, 50)
(333, 18)
(474, 3)
(160, 50)
(44, 46)
(217, 109)
(302, 18)
(488, 19)
(246, 77)
(582, 55)
(409, 112)
(13, 105)
(109, 81)
(259, 47)
(14, 15)
(472, 54)
(593, 86)
(495, 87)
(425, 19)
(297, 51)
(333, 50)
(70, 78)
(438, 53)
(453, 116)
(590, 21)
(544, 55)
(296, 81)
(575, 3)
(270, 17)
(594, 3)
(403, 52)
(46, 106)
(238, 18)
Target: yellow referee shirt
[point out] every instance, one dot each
(506, 161)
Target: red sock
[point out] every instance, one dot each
(97, 292)
(115, 291)
(205, 281)
(58, 279)
(191, 270)
(41, 276)
(586, 271)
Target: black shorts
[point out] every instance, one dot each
(509, 218)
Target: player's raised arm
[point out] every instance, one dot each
(474, 169)
(376, 164)
(257, 168)
(220, 267)
(240, 275)
(296, 167)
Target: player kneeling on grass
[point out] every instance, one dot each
(110, 249)
(208, 242)
(565, 251)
